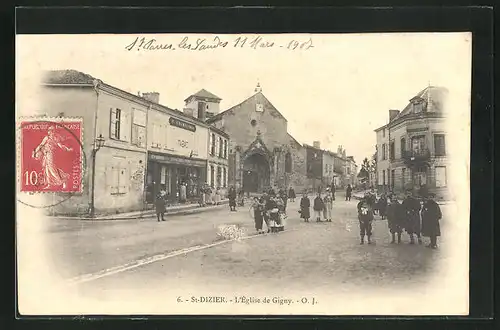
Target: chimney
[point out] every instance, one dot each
(188, 111)
(152, 97)
(393, 114)
(316, 144)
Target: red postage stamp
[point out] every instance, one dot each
(51, 155)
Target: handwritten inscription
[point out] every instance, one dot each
(204, 44)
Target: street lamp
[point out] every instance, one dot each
(98, 144)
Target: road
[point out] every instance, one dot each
(326, 256)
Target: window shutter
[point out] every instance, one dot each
(123, 180)
(125, 126)
(114, 177)
(209, 143)
(112, 121)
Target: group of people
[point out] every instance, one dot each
(271, 209)
(417, 217)
(322, 206)
(208, 195)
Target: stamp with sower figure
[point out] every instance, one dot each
(51, 155)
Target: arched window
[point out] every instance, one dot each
(288, 163)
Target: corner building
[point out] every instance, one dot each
(411, 147)
(262, 153)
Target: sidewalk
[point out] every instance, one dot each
(171, 210)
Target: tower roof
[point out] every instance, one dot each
(203, 93)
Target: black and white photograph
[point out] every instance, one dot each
(243, 174)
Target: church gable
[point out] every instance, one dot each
(257, 146)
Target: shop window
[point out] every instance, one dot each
(288, 163)
(115, 123)
(440, 176)
(439, 145)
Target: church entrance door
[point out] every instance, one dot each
(256, 175)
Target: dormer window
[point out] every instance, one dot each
(418, 106)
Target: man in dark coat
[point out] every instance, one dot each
(382, 206)
(431, 214)
(395, 219)
(305, 205)
(332, 189)
(411, 207)
(365, 217)
(348, 192)
(291, 194)
(160, 207)
(232, 199)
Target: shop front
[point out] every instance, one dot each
(168, 172)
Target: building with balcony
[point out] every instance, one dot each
(411, 148)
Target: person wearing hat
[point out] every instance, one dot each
(232, 198)
(305, 205)
(365, 217)
(431, 214)
(411, 207)
(395, 217)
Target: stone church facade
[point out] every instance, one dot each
(262, 154)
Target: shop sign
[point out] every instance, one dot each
(182, 124)
(177, 160)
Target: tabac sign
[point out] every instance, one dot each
(182, 124)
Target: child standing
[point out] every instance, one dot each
(160, 207)
(365, 217)
(318, 207)
(328, 201)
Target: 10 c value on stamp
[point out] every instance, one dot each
(51, 155)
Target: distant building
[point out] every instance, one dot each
(262, 153)
(411, 147)
(352, 171)
(314, 161)
(202, 105)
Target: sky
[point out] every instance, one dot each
(336, 92)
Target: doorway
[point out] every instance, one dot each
(256, 173)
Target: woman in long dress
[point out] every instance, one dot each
(53, 176)
(305, 205)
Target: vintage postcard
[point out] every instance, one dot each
(243, 174)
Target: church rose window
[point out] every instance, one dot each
(253, 122)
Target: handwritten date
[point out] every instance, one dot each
(203, 44)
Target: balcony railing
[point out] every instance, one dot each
(416, 156)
